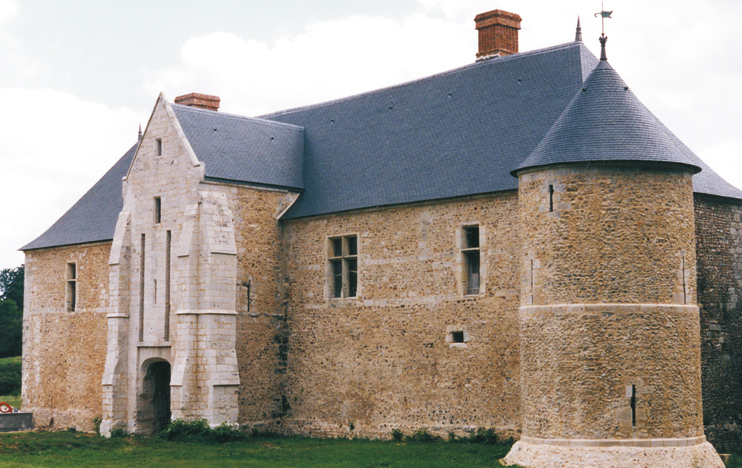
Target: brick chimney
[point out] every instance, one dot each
(204, 101)
(498, 33)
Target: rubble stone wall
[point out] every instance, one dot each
(608, 317)
(719, 247)
(386, 359)
(64, 351)
(260, 301)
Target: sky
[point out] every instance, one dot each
(78, 77)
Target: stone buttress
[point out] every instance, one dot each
(609, 326)
(173, 268)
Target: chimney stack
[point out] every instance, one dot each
(203, 101)
(498, 33)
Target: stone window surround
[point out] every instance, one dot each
(157, 209)
(451, 329)
(346, 260)
(70, 276)
(464, 252)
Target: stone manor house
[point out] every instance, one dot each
(516, 244)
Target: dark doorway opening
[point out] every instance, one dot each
(157, 390)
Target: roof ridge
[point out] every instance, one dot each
(234, 116)
(480, 63)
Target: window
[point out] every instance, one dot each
(158, 147)
(71, 295)
(551, 198)
(471, 259)
(343, 253)
(457, 336)
(158, 210)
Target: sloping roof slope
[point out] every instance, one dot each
(452, 134)
(244, 149)
(93, 217)
(457, 133)
(606, 122)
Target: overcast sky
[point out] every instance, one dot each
(77, 77)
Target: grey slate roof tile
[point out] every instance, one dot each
(452, 134)
(606, 122)
(244, 149)
(93, 218)
(457, 133)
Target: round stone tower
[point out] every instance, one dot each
(609, 330)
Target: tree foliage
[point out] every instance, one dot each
(11, 329)
(11, 286)
(11, 311)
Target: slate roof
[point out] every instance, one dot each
(244, 149)
(606, 122)
(452, 134)
(457, 133)
(93, 218)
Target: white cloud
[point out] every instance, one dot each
(8, 10)
(725, 160)
(53, 147)
(329, 60)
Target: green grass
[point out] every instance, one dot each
(12, 400)
(10, 360)
(10, 380)
(65, 449)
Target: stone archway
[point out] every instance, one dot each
(153, 413)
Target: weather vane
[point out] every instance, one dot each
(603, 38)
(603, 15)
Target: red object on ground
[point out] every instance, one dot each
(5, 408)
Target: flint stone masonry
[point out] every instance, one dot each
(381, 360)
(60, 383)
(719, 247)
(609, 332)
(617, 234)
(576, 360)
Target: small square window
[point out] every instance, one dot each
(457, 336)
(158, 210)
(344, 266)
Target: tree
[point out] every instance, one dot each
(11, 311)
(11, 286)
(11, 329)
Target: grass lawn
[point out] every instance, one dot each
(65, 449)
(12, 400)
(11, 367)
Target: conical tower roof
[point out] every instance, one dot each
(606, 122)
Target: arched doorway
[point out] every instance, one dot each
(154, 412)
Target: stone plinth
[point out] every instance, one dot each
(12, 422)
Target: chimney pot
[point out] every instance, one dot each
(498, 33)
(203, 101)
